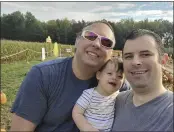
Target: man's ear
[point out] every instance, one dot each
(164, 58)
(161, 59)
(98, 75)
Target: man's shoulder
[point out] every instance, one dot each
(126, 86)
(124, 95)
(170, 97)
(52, 67)
(52, 63)
(170, 94)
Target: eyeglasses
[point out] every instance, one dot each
(92, 36)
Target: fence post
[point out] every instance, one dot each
(43, 54)
(27, 55)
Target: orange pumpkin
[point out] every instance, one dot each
(3, 98)
(3, 130)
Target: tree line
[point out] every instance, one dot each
(25, 27)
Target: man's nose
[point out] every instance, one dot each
(96, 43)
(136, 61)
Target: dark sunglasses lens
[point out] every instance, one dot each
(90, 35)
(106, 42)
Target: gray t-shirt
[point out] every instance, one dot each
(155, 115)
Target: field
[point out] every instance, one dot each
(12, 51)
(14, 71)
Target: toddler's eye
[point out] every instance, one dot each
(120, 77)
(109, 73)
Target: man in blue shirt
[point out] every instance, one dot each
(49, 91)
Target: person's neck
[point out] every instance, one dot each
(82, 71)
(140, 98)
(101, 91)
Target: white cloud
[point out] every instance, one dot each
(11, 4)
(148, 12)
(141, 6)
(47, 8)
(101, 8)
(155, 13)
(169, 13)
(88, 11)
(15, 5)
(85, 16)
(142, 14)
(124, 5)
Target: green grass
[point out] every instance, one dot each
(11, 78)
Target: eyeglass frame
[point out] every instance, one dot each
(98, 36)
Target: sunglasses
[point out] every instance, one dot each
(92, 36)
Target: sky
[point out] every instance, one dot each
(90, 11)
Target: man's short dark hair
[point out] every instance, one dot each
(141, 32)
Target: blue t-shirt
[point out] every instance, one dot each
(48, 94)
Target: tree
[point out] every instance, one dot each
(13, 26)
(168, 40)
(52, 29)
(17, 26)
(63, 30)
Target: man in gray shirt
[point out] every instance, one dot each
(148, 106)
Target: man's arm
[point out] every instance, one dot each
(30, 104)
(80, 120)
(21, 124)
